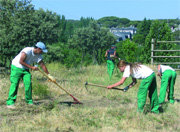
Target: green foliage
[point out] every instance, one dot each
(142, 31)
(127, 50)
(84, 22)
(134, 23)
(72, 25)
(113, 21)
(139, 39)
(62, 29)
(161, 32)
(15, 26)
(91, 41)
(55, 52)
(73, 42)
(72, 58)
(22, 26)
(46, 26)
(176, 35)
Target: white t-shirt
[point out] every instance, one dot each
(141, 72)
(30, 57)
(164, 68)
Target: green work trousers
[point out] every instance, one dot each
(110, 68)
(168, 79)
(148, 84)
(16, 75)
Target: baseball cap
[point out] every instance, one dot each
(42, 46)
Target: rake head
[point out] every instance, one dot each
(75, 100)
(86, 83)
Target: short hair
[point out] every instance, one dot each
(36, 47)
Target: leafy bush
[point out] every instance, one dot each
(127, 50)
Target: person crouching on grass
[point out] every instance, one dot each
(138, 71)
(20, 69)
(168, 78)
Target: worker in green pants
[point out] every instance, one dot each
(168, 78)
(148, 83)
(110, 68)
(20, 69)
(111, 55)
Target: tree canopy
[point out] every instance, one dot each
(113, 21)
(76, 42)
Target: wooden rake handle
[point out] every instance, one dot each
(60, 87)
(115, 88)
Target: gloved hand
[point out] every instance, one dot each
(51, 78)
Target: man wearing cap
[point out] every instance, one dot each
(20, 69)
(110, 54)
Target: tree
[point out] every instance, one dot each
(113, 21)
(123, 22)
(161, 32)
(62, 29)
(127, 50)
(91, 41)
(15, 30)
(142, 32)
(47, 26)
(22, 26)
(176, 35)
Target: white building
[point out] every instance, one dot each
(124, 33)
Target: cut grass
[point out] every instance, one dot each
(102, 109)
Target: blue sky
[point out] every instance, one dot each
(131, 9)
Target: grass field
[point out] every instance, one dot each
(102, 110)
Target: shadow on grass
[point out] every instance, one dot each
(177, 100)
(162, 108)
(69, 103)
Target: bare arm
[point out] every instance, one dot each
(22, 62)
(118, 83)
(106, 54)
(114, 53)
(43, 66)
(159, 73)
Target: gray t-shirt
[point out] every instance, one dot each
(30, 57)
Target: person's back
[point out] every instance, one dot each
(165, 67)
(168, 78)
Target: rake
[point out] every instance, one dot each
(75, 100)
